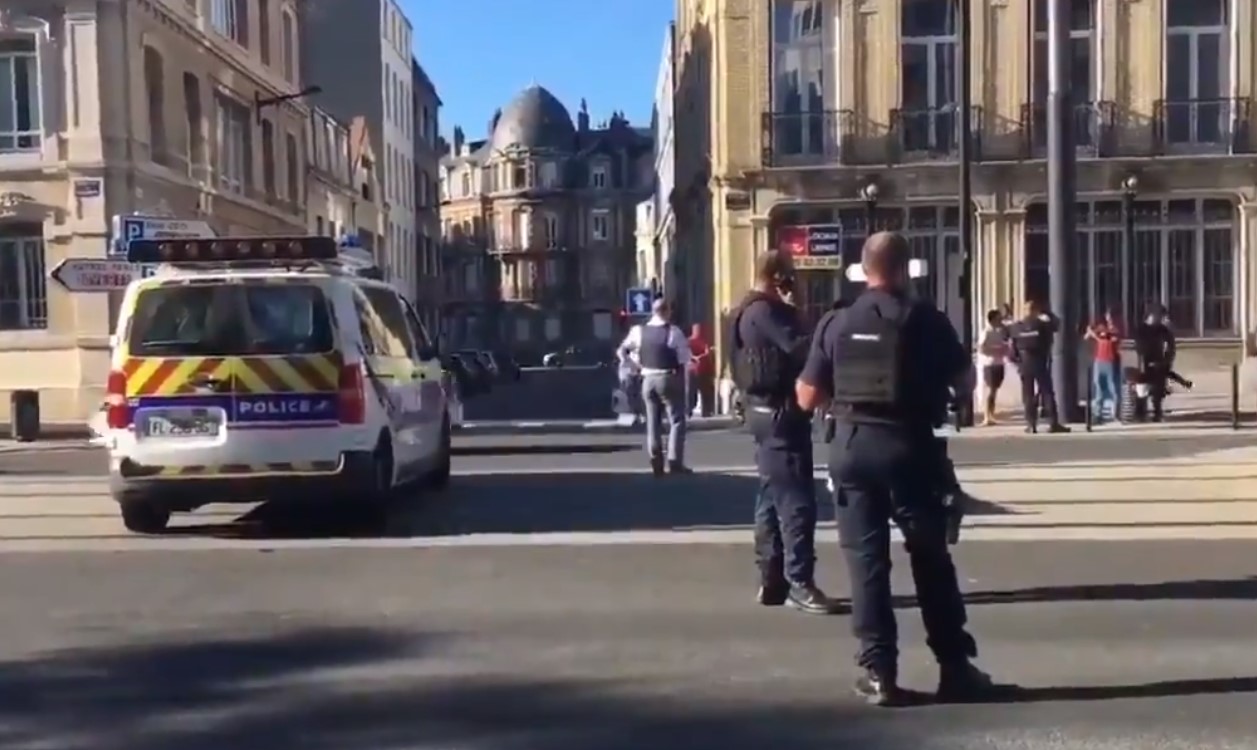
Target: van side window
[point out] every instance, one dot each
(396, 340)
(422, 340)
(367, 324)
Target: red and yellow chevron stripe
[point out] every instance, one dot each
(133, 470)
(172, 376)
(175, 376)
(317, 373)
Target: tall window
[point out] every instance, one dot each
(799, 67)
(600, 225)
(293, 159)
(524, 234)
(289, 49)
(1196, 66)
(268, 157)
(20, 121)
(598, 177)
(231, 19)
(1182, 256)
(195, 123)
(264, 31)
(928, 55)
(23, 289)
(552, 231)
(1081, 67)
(155, 95)
(234, 136)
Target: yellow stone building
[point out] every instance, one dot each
(788, 110)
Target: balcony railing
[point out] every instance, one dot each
(806, 138)
(1094, 124)
(933, 132)
(1209, 126)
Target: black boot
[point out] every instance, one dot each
(961, 682)
(656, 465)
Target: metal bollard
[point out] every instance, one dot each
(1235, 397)
(1088, 414)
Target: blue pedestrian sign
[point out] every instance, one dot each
(638, 300)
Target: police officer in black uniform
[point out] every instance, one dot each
(886, 365)
(1032, 338)
(769, 346)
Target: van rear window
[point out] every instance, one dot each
(230, 320)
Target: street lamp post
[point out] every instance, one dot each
(869, 194)
(964, 86)
(1130, 187)
(1061, 218)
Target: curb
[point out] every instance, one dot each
(586, 428)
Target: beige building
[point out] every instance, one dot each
(372, 210)
(538, 220)
(333, 196)
(430, 286)
(801, 105)
(119, 107)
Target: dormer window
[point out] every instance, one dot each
(519, 176)
(549, 175)
(598, 177)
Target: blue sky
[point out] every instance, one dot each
(480, 53)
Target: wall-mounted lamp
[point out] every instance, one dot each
(869, 193)
(1130, 185)
(261, 103)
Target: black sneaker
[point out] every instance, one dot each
(879, 688)
(1058, 429)
(773, 594)
(964, 683)
(656, 466)
(676, 467)
(1032, 430)
(810, 599)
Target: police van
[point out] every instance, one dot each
(246, 369)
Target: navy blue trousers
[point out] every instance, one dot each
(785, 507)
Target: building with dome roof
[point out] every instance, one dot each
(538, 223)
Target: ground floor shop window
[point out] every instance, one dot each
(23, 288)
(1181, 254)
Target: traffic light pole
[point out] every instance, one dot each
(964, 85)
(1061, 216)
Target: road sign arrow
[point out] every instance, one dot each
(94, 274)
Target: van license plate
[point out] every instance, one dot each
(181, 423)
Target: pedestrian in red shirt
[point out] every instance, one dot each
(701, 371)
(1107, 367)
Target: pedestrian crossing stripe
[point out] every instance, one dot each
(131, 470)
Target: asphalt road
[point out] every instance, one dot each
(716, 449)
(1113, 646)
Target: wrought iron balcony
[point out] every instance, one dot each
(932, 133)
(806, 138)
(1094, 128)
(1202, 126)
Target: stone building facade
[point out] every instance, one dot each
(538, 221)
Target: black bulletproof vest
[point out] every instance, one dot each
(760, 368)
(869, 359)
(1033, 340)
(653, 352)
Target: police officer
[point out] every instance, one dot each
(886, 365)
(1031, 339)
(769, 346)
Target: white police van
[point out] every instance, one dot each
(256, 368)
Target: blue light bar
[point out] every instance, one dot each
(233, 250)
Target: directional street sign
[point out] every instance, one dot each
(95, 275)
(917, 269)
(638, 300)
(129, 228)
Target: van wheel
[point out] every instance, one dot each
(439, 477)
(144, 517)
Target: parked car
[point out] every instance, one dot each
(470, 375)
(507, 368)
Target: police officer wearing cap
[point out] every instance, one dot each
(886, 366)
(769, 347)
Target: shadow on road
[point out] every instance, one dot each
(336, 689)
(1241, 589)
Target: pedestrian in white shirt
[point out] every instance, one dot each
(662, 353)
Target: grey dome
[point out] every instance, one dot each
(534, 119)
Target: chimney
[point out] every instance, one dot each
(582, 119)
(458, 140)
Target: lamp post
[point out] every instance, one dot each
(964, 87)
(1061, 217)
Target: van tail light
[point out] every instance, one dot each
(351, 396)
(117, 411)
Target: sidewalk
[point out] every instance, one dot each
(592, 427)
